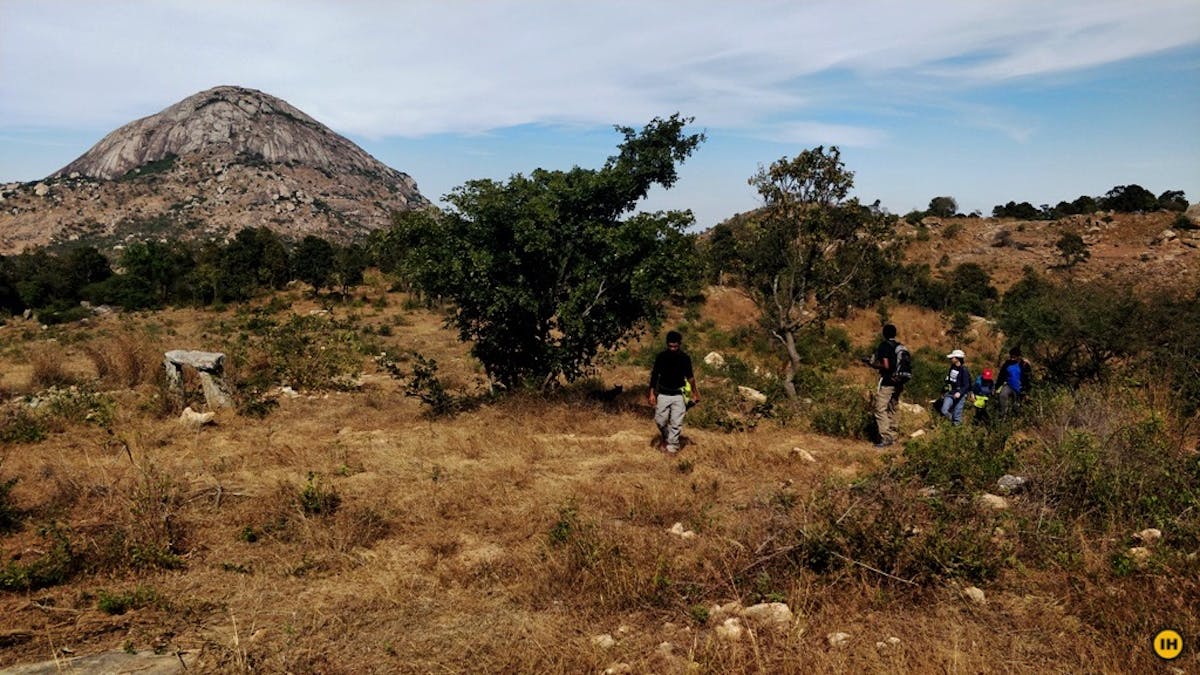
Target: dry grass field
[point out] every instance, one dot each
(343, 530)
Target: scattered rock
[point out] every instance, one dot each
(752, 395)
(718, 613)
(929, 492)
(677, 530)
(731, 629)
(917, 434)
(618, 669)
(893, 641)
(1140, 555)
(769, 615)
(288, 391)
(1164, 236)
(199, 419)
(975, 595)
(1149, 535)
(41, 189)
(1010, 484)
(837, 640)
(801, 453)
(991, 501)
(715, 360)
(605, 641)
(913, 409)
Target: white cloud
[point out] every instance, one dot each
(416, 68)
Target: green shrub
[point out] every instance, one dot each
(318, 500)
(10, 515)
(964, 458)
(119, 603)
(18, 424)
(56, 566)
(844, 413)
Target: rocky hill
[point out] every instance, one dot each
(204, 168)
(1147, 251)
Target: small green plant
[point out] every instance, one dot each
(10, 515)
(19, 424)
(318, 500)
(843, 413)
(121, 602)
(248, 535)
(952, 230)
(56, 566)
(699, 614)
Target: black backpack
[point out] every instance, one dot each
(902, 370)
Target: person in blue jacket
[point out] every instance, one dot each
(956, 387)
(1013, 381)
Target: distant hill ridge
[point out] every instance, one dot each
(204, 168)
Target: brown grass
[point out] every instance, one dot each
(501, 540)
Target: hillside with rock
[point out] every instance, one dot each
(1144, 250)
(204, 168)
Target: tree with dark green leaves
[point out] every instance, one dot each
(1129, 199)
(312, 262)
(546, 270)
(1072, 248)
(1173, 200)
(812, 253)
(942, 207)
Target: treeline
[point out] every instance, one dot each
(1121, 199)
(150, 275)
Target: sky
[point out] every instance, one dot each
(983, 101)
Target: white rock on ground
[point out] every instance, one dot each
(975, 595)
(991, 501)
(801, 453)
(605, 641)
(618, 669)
(751, 394)
(1149, 535)
(1010, 484)
(731, 629)
(715, 360)
(837, 639)
(769, 615)
(917, 434)
(1140, 555)
(718, 613)
(677, 530)
(190, 416)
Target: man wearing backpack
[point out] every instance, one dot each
(891, 383)
(1014, 379)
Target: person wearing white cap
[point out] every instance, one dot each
(956, 387)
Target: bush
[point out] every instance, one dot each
(318, 500)
(47, 360)
(844, 413)
(306, 352)
(119, 603)
(960, 459)
(125, 359)
(57, 565)
(18, 424)
(10, 515)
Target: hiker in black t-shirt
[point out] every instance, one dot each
(887, 395)
(670, 378)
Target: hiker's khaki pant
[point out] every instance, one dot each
(886, 400)
(668, 415)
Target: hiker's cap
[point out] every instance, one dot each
(987, 373)
(956, 354)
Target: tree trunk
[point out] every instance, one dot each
(789, 342)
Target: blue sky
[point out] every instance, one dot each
(983, 101)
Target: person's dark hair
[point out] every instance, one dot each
(889, 332)
(1015, 352)
(673, 337)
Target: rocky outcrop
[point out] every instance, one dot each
(204, 168)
